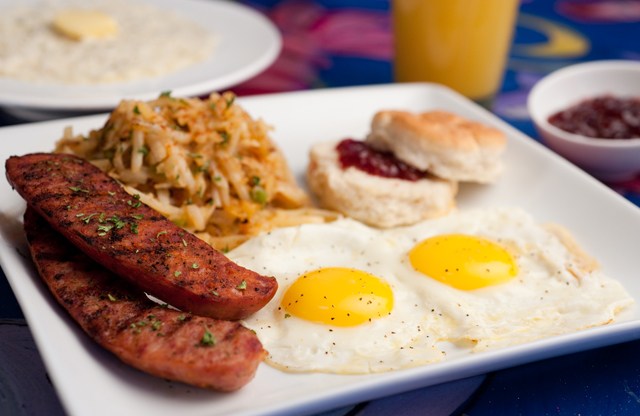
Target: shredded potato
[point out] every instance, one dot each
(203, 163)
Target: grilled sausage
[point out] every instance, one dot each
(205, 352)
(95, 213)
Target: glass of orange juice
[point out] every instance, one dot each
(462, 44)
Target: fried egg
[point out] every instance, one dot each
(502, 279)
(355, 299)
(339, 307)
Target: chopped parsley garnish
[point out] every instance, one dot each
(225, 137)
(242, 285)
(104, 229)
(259, 195)
(117, 222)
(88, 218)
(135, 204)
(78, 189)
(208, 340)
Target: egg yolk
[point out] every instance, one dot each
(463, 261)
(338, 296)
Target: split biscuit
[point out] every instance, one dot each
(378, 201)
(445, 144)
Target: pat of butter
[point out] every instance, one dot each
(85, 24)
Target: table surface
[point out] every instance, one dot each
(348, 42)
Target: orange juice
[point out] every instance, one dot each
(459, 43)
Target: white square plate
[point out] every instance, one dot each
(90, 380)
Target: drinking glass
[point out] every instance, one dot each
(462, 44)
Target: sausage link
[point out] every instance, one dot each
(96, 214)
(201, 351)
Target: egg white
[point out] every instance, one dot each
(405, 338)
(550, 295)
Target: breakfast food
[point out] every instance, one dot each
(53, 42)
(407, 169)
(203, 163)
(545, 285)
(118, 231)
(340, 307)
(604, 117)
(356, 299)
(205, 352)
(445, 144)
(85, 24)
(383, 201)
(350, 299)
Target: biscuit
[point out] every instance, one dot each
(378, 201)
(440, 142)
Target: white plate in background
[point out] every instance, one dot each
(247, 42)
(90, 380)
